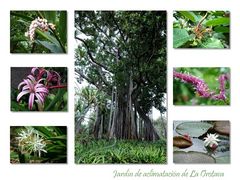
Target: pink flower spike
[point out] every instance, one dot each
(222, 83)
(202, 88)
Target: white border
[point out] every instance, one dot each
(181, 58)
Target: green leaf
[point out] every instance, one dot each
(59, 130)
(180, 37)
(65, 97)
(15, 13)
(63, 27)
(26, 23)
(193, 129)
(218, 21)
(63, 137)
(50, 16)
(189, 15)
(41, 14)
(48, 36)
(57, 98)
(213, 43)
(218, 13)
(223, 160)
(51, 38)
(43, 131)
(192, 157)
(13, 155)
(222, 29)
(52, 47)
(17, 107)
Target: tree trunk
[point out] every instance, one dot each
(134, 114)
(78, 126)
(140, 129)
(112, 133)
(80, 120)
(97, 123)
(150, 132)
(164, 126)
(118, 118)
(124, 125)
(109, 134)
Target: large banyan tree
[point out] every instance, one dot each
(122, 54)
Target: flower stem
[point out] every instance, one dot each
(57, 87)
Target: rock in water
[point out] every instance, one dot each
(222, 127)
(181, 142)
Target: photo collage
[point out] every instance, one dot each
(120, 87)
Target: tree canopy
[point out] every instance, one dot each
(123, 54)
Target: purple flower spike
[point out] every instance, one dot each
(34, 89)
(222, 83)
(202, 88)
(199, 85)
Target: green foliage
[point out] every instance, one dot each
(212, 43)
(56, 101)
(120, 151)
(193, 129)
(87, 99)
(199, 29)
(181, 36)
(189, 15)
(218, 21)
(51, 41)
(184, 93)
(56, 145)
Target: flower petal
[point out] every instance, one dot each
(29, 83)
(21, 84)
(42, 90)
(206, 143)
(30, 101)
(22, 94)
(32, 78)
(33, 70)
(40, 80)
(39, 85)
(40, 98)
(26, 87)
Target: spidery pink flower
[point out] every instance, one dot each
(50, 77)
(37, 85)
(35, 89)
